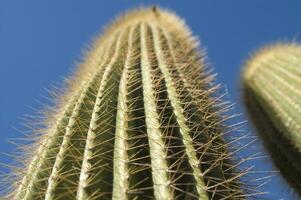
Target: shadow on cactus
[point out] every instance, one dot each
(141, 119)
(272, 94)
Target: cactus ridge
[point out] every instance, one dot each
(140, 120)
(272, 93)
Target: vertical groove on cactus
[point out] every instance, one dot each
(141, 121)
(122, 158)
(179, 114)
(188, 107)
(272, 92)
(105, 122)
(99, 144)
(138, 160)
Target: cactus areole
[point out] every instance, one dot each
(139, 120)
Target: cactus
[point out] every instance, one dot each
(272, 93)
(140, 120)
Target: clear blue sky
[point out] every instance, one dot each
(41, 41)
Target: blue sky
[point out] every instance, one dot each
(41, 42)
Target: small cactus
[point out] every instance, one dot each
(272, 93)
(140, 120)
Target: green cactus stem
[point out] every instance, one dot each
(140, 120)
(272, 93)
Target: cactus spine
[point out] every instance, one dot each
(272, 93)
(140, 121)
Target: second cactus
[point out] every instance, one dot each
(140, 120)
(272, 93)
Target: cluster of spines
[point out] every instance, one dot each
(141, 121)
(272, 93)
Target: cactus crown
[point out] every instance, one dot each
(272, 93)
(140, 120)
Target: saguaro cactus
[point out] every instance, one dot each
(272, 92)
(139, 121)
